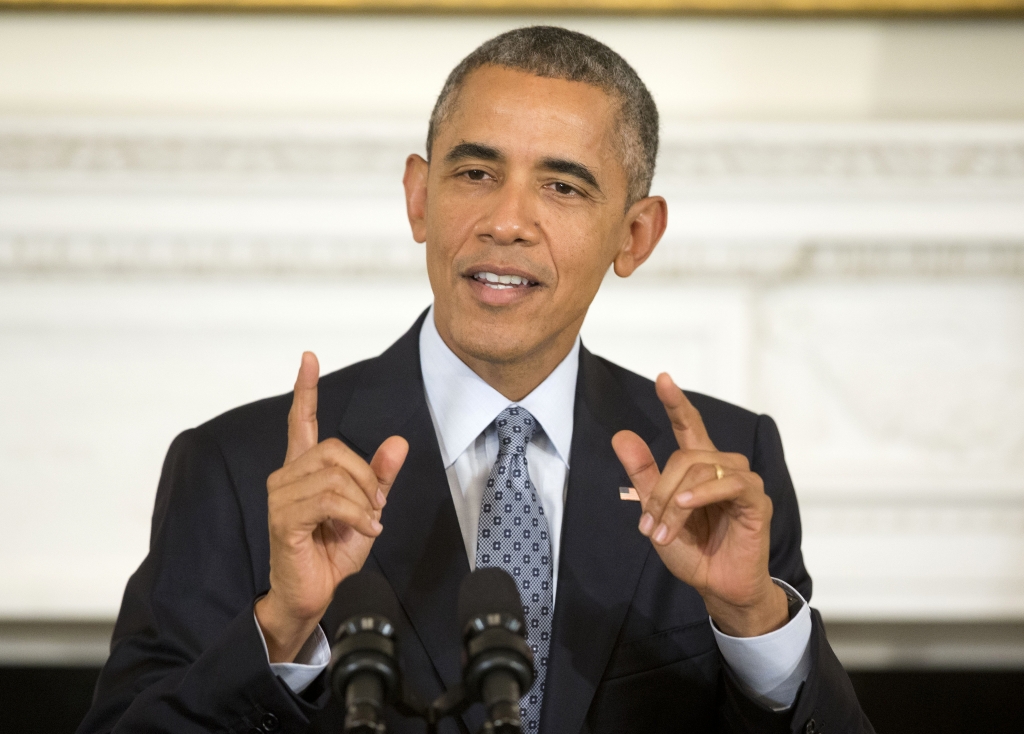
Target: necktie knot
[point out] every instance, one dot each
(515, 428)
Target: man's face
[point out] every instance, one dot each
(524, 212)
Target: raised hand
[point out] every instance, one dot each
(324, 508)
(709, 519)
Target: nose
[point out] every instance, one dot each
(511, 219)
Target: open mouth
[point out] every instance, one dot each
(503, 282)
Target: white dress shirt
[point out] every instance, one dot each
(463, 408)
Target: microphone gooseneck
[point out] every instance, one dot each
(497, 662)
(364, 662)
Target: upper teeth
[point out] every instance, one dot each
(503, 279)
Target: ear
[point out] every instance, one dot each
(646, 220)
(415, 182)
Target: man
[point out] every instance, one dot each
(488, 435)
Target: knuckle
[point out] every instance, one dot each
(274, 505)
(276, 521)
(325, 504)
(680, 460)
(344, 482)
(700, 472)
(333, 449)
(754, 481)
(366, 474)
(335, 476)
(739, 460)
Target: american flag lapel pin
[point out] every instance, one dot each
(628, 493)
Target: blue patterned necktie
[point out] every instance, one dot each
(513, 535)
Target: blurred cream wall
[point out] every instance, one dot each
(315, 65)
(189, 200)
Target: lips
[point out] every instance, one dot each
(502, 281)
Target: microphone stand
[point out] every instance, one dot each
(450, 703)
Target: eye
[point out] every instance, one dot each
(564, 189)
(476, 174)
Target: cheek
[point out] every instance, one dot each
(582, 255)
(450, 223)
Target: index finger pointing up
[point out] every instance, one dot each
(686, 421)
(303, 432)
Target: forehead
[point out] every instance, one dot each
(532, 115)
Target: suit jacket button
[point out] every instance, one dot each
(812, 727)
(270, 723)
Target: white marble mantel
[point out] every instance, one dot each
(862, 282)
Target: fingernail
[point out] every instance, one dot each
(381, 499)
(661, 533)
(646, 523)
(684, 498)
(377, 527)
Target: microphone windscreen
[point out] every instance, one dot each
(489, 591)
(364, 594)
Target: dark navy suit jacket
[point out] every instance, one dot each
(632, 650)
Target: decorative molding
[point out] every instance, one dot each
(204, 255)
(858, 645)
(236, 161)
(928, 645)
(912, 516)
(168, 254)
(34, 642)
(771, 201)
(936, 153)
(879, 157)
(837, 258)
(930, 560)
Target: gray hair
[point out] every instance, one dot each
(558, 53)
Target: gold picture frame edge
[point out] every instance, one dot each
(609, 7)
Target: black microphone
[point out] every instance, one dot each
(497, 663)
(364, 662)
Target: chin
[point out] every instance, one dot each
(489, 343)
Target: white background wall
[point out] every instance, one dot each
(322, 65)
(188, 201)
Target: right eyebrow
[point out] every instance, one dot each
(473, 150)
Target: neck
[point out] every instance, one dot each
(517, 378)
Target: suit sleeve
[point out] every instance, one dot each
(826, 701)
(186, 654)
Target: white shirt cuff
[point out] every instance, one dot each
(309, 663)
(772, 666)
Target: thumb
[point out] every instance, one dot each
(638, 461)
(387, 461)
(303, 432)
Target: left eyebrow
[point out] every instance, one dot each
(571, 168)
(473, 150)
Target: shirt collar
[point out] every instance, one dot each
(464, 405)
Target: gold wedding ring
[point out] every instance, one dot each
(719, 472)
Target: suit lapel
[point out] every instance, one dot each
(421, 551)
(602, 551)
